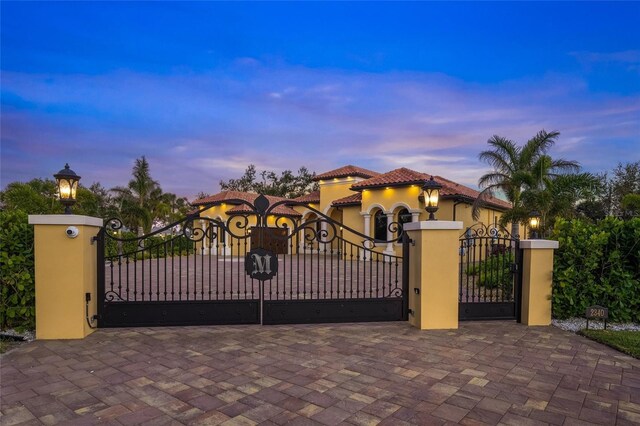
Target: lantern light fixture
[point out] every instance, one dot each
(67, 182)
(534, 224)
(431, 193)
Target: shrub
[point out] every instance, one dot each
(153, 246)
(17, 294)
(494, 271)
(597, 264)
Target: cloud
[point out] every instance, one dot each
(198, 128)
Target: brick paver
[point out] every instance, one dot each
(360, 374)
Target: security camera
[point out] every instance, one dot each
(72, 232)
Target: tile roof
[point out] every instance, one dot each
(453, 189)
(404, 176)
(224, 196)
(345, 171)
(229, 196)
(310, 198)
(351, 200)
(401, 176)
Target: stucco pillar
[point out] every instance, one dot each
(389, 249)
(537, 275)
(433, 274)
(65, 271)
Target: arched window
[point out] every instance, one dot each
(380, 226)
(403, 217)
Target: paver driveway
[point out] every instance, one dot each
(389, 373)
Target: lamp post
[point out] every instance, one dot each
(67, 182)
(534, 224)
(431, 194)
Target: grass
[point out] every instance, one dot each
(7, 343)
(627, 342)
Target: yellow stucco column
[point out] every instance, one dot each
(433, 274)
(537, 275)
(66, 269)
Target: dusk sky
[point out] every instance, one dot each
(204, 89)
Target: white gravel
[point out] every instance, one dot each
(577, 324)
(27, 335)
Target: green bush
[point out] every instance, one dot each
(597, 264)
(494, 271)
(17, 294)
(153, 246)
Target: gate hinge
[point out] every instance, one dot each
(412, 242)
(94, 239)
(514, 267)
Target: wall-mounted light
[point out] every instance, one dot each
(534, 224)
(67, 182)
(431, 192)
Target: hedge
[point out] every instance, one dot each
(597, 264)
(153, 246)
(17, 294)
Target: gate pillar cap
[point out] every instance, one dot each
(433, 224)
(64, 219)
(539, 244)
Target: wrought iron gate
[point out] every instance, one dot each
(490, 274)
(200, 271)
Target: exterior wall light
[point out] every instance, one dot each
(534, 224)
(431, 192)
(67, 182)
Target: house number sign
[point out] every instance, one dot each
(261, 264)
(597, 313)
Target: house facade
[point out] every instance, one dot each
(362, 201)
(370, 202)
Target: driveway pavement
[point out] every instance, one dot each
(361, 374)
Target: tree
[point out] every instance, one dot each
(630, 206)
(138, 200)
(561, 196)
(287, 184)
(38, 196)
(202, 194)
(516, 169)
(625, 181)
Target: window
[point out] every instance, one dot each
(380, 226)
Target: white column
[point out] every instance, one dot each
(367, 223)
(226, 245)
(213, 243)
(205, 248)
(389, 249)
(301, 239)
(322, 238)
(415, 216)
(367, 232)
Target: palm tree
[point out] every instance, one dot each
(139, 198)
(517, 169)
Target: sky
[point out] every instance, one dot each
(204, 89)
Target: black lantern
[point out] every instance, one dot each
(534, 224)
(67, 181)
(431, 193)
